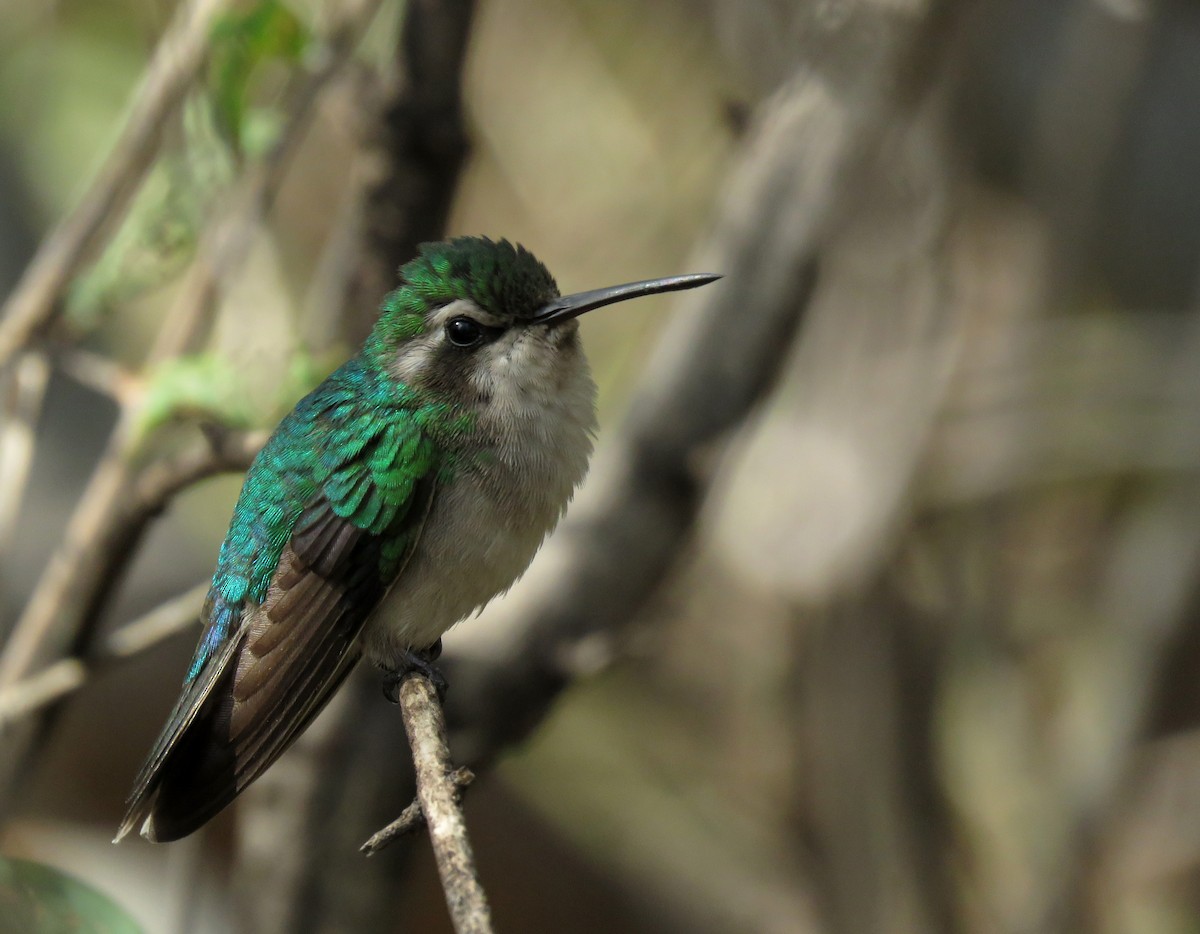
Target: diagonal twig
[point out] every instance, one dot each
(412, 818)
(27, 382)
(66, 602)
(67, 676)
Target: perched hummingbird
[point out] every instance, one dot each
(403, 493)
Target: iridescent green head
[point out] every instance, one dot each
(474, 319)
(504, 280)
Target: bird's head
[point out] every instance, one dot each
(480, 322)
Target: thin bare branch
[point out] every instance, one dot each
(98, 373)
(412, 818)
(221, 451)
(26, 388)
(439, 793)
(65, 604)
(177, 60)
(65, 677)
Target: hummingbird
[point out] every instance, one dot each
(412, 486)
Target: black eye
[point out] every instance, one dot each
(464, 332)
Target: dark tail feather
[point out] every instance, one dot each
(206, 769)
(195, 780)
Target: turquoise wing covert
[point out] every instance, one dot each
(328, 513)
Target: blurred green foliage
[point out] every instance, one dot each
(38, 899)
(244, 43)
(210, 387)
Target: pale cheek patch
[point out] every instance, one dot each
(409, 365)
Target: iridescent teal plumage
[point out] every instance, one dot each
(407, 490)
(363, 441)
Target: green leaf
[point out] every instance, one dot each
(159, 236)
(202, 385)
(210, 387)
(241, 43)
(38, 898)
(151, 247)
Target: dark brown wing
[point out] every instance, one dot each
(271, 679)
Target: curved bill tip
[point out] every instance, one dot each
(572, 306)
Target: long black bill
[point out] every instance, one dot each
(572, 306)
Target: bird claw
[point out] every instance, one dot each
(415, 661)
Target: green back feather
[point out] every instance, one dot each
(363, 442)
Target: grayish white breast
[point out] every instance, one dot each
(534, 402)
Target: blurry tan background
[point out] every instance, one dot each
(918, 652)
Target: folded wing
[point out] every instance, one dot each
(279, 665)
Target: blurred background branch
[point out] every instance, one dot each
(64, 608)
(178, 59)
(64, 677)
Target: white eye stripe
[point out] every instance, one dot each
(414, 359)
(464, 308)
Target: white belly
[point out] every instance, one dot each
(469, 551)
(483, 529)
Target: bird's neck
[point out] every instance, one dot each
(534, 444)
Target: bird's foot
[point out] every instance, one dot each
(415, 661)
